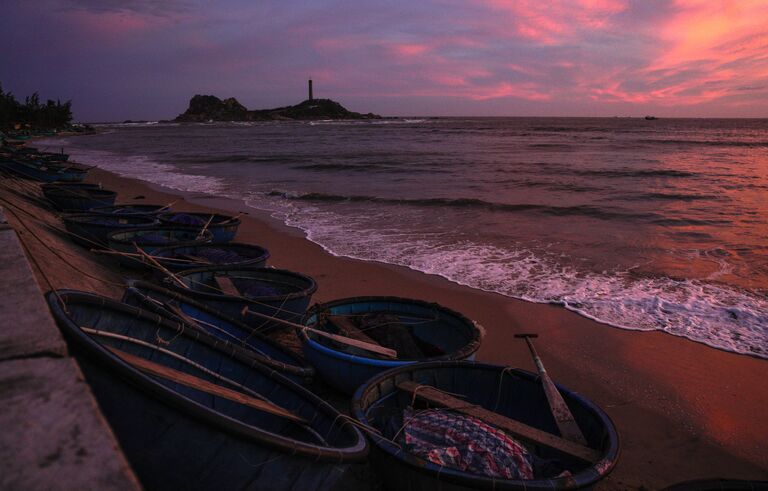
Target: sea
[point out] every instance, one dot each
(638, 224)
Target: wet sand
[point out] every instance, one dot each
(683, 410)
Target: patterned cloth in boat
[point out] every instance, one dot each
(465, 443)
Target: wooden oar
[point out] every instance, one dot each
(563, 417)
(513, 427)
(231, 219)
(204, 386)
(160, 266)
(374, 348)
(205, 227)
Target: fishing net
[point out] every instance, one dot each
(254, 288)
(186, 219)
(465, 443)
(218, 255)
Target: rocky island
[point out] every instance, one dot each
(210, 108)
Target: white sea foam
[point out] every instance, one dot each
(718, 315)
(140, 167)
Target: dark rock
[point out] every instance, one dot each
(210, 108)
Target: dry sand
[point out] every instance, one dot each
(683, 410)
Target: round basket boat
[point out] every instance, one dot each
(512, 394)
(188, 415)
(223, 227)
(254, 295)
(53, 186)
(180, 258)
(93, 230)
(150, 239)
(243, 339)
(79, 199)
(437, 333)
(133, 210)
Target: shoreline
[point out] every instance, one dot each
(684, 410)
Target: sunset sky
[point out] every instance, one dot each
(144, 59)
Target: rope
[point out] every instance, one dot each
(54, 251)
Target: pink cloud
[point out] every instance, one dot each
(707, 51)
(114, 25)
(553, 21)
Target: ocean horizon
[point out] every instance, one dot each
(644, 225)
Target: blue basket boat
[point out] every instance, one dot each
(511, 393)
(43, 172)
(93, 230)
(73, 186)
(183, 435)
(126, 209)
(179, 258)
(243, 339)
(223, 227)
(79, 198)
(268, 292)
(149, 240)
(437, 333)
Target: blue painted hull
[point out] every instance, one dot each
(260, 348)
(289, 303)
(458, 337)
(176, 437)
(513, 393)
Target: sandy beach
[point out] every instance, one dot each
(683, 410)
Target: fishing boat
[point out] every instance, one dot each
(259, 297)
(179, 258)
(502, 411)
(189, 416)
(93, 230)
(251, 344)
(137, 244)
(41, 171)
(74, 186)
(223, 227)
(80, 198)
(127, 209)
(417, 331)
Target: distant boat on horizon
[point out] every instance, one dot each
(651, 118)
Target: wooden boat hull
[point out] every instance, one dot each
(133, 210)
(223, 227)
(93, 230)
(250, 256)
(43, 173)
(79, 199)
(289, 306)
(514, 393)
(145, 295)
(150, 239)
(176, 437)
(458, 336)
